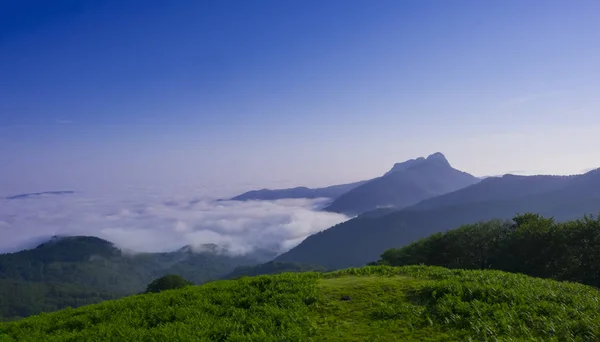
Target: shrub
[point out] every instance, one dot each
(168, 282)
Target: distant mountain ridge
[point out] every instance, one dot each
(362, 239)
(506, 187)
(407, 183)
(36, 194)
(333, 191)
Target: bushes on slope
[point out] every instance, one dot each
(530, 244)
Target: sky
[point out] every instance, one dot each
(225, 96)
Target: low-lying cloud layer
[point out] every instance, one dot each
(147, 223)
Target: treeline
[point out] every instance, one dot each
(529, 244)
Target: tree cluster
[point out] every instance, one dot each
(529, 244)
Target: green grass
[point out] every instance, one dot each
(379, 303)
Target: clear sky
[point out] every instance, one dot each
(266, 93)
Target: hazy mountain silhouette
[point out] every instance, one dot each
(332, 192)
(405, 184)
(363, 239)
(497, 188)
(35, 194)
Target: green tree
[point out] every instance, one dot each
(168, 282)
(530, 244)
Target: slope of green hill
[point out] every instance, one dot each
(273, 267)
(20, 299)
(379, 303)
(529, 244)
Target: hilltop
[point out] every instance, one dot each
(377, 303)
(273, 267)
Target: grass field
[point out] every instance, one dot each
(378, 303)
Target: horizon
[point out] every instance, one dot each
(150, 111)
(165, 144)
(244, 95)
(231, 191)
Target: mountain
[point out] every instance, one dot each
(362, 239)
(38, 194)
(507, 187)
(79, 270)
(405, 184)
(438, 156)
(333, 192)
(377, 303)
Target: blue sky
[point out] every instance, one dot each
(264, 93)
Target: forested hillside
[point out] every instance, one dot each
(75, 271)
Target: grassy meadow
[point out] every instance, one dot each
(373, 303)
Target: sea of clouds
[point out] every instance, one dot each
(143, 221)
